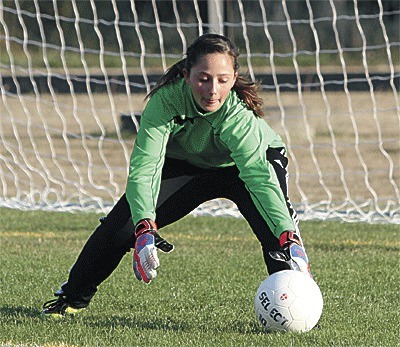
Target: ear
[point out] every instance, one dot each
(235, 77)
(186, 75)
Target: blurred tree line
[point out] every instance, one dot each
(137, 24)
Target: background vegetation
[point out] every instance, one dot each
(160, 38)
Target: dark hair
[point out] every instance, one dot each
(214, 43)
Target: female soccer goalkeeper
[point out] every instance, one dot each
(201, 137)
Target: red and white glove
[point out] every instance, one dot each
(145, 258)
(292, 252)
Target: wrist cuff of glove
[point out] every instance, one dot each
(288, 237)
(145, 226)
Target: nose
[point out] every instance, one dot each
(213, 87)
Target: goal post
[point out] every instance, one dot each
(328, 70)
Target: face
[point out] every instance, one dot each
(211, 79)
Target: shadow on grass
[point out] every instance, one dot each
(21, 315)
(136, 323)
(170, 324)
(18, 312)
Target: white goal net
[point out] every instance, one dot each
(73, 76)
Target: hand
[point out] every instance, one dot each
(145, 258)
(292, 252)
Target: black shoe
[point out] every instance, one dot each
(57, 308)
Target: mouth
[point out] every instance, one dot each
(210, 102)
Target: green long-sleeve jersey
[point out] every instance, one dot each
(172, 125)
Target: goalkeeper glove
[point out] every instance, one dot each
(292, 252)
(145, 258)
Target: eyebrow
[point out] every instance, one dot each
(219, 75)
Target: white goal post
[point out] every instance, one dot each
(72, 71)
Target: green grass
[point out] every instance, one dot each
(204, 293)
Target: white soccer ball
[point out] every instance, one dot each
(288, 300)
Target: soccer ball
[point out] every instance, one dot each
(288, 300)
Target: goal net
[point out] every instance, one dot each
(73, 76)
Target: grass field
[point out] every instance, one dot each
(204, 293)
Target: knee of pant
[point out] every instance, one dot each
(268, 241)
(116, 235)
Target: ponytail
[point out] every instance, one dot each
(171, 75)
(247, 90)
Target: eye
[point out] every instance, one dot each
(223, 80)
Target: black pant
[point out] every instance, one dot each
(183, 188)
